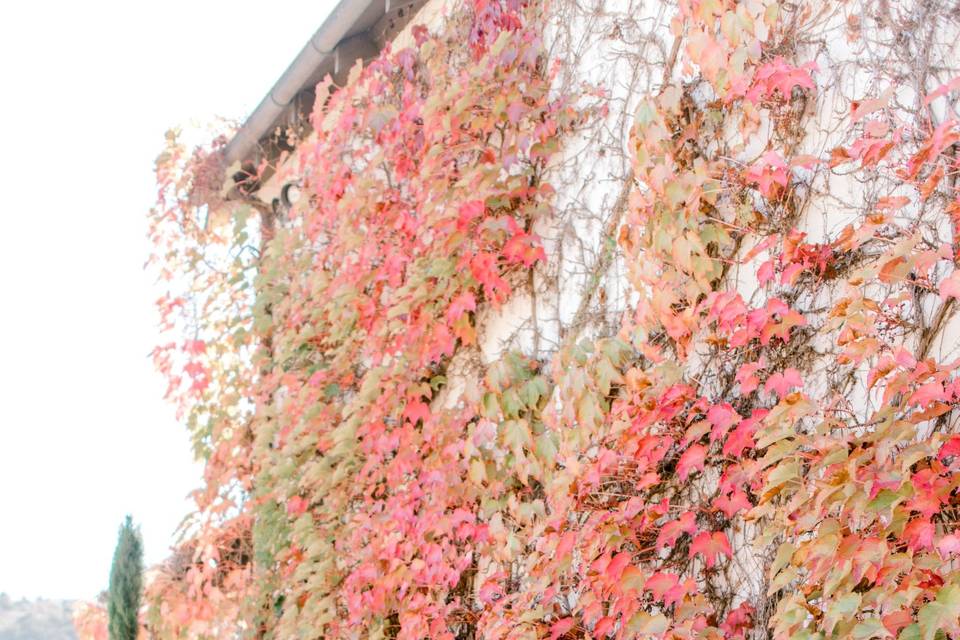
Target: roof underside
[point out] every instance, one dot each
(355, 30)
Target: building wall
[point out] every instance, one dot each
(620, 51)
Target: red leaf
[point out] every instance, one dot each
(738, 621)
(692, 458)
(523, 248)
(470, 211)
(603, 626)
(615, 569)
(746, 376)
(195, 347)
(777, 75)
(599, 565)
(919, 535)
(770, 169)
(781, 383)
(740, 439)
(659, 583)
(710, 545)
(416, 410)
(732, 504)
(897, 620)
(565, 546)
(927, 393)
(676, 593)
(721, 417)
(672, 530)
(483, 266)
(296, 505)
(950, 448)
(560, 627)
(929, 492)
(460, 305)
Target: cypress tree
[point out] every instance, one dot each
(126, 578)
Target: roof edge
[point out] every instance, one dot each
(318, 49)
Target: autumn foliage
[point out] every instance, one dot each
(764, 447)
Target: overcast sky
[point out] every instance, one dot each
(88, 90)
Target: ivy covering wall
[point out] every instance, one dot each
(754, 438)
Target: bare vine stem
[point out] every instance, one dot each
(608, 237)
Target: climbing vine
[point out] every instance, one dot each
(762, 444)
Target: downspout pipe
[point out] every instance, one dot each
(318, 49)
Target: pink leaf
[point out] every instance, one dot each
(604, 625)
(765, 272)
(942, 90)
(460, 305)
(770, 169)
(781, 383)
(927, 393)
(950, 286)
(523, 248)
(732, 504)
(296, 505)
(721, 417)
(710, 545)
(561, 627)
(740, 439)
(949, 545)
(746, 377)
(195, 347)
(483, 267)
(470, 211)
(777, 75)
(676, 593)
(863, 108)
(672, 530)
(738, 621)
(416, 410)
(692, 458)
(615, 569)
(659, 583)
(790, 273)
(515, 110)
(950, 448)
(919, 535)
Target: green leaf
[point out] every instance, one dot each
(841, 609)
(883, 501)
(785, 472)
(500, 42)
(910, 632)
(546, 447)
(943, 613)
(511, 403)
(869, 628)
(645, 624)
(491, 408)
(784, 578)
(784, 554)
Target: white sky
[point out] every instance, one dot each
(88, 90)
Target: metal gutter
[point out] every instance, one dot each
(320, 48)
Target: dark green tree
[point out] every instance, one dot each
(126, 581)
